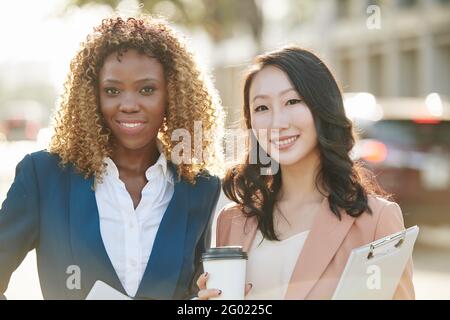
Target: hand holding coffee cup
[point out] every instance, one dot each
(206, 294)
(224, 277)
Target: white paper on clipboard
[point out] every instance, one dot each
(103, 291)
(373, 271)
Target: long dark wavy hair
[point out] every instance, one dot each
(344, 182)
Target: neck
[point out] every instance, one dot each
(135, 160)
(299, 180)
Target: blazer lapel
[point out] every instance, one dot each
(166, 259)
(88, 250)
(319, 249)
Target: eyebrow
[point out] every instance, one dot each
(280, 94)
(137, 81)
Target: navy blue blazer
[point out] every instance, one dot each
(53, 210)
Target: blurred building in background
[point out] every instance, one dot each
(408, 56)
(395, 48)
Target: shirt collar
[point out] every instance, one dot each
(161, 164)
(162, 161)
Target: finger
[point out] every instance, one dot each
(208, 293)
(201, 281)
(248, 287)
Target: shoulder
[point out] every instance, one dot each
(233, 226)
(37, 159)
(36, 171)
(207, 186)
(207, 180)
(43, 157)
(42, 165)
(230, 214)
(48, 163)
(202, 180)
(386, 217)
(201, 195)
(383, 209)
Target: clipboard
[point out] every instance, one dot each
(102, 291)
(373, 271)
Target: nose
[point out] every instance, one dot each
(129, 104)
(280, 119)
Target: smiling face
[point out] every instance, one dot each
(281, 121)
(133, 98)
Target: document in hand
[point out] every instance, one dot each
(373, 271)
(102, 291)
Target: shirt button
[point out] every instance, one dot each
(131, 225)
(133, 263)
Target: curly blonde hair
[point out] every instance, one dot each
(81, 136)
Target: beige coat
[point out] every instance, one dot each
(327, 247)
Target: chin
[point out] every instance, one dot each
(134, 145)
(293, 157)
(287, 161)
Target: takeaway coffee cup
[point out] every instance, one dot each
(226, 267)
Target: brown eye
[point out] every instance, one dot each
(293, 101)
(147, 90)
(111, 91)
(260, 108)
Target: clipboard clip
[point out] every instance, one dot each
(379, 243)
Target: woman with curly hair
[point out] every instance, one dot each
(113, 199)
(300, 223)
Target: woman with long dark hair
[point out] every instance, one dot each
(300, 223)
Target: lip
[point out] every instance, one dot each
(130, 130)
(285, 146)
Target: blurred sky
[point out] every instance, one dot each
(37, 33)
(43, 34)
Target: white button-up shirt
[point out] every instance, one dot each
(129, 234)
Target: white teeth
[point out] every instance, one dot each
(130, 125)
(285, 142)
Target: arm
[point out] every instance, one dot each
(204, 243)
(389, 222)
(19, 221)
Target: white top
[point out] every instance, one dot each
(129, 234)
(270, 265)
